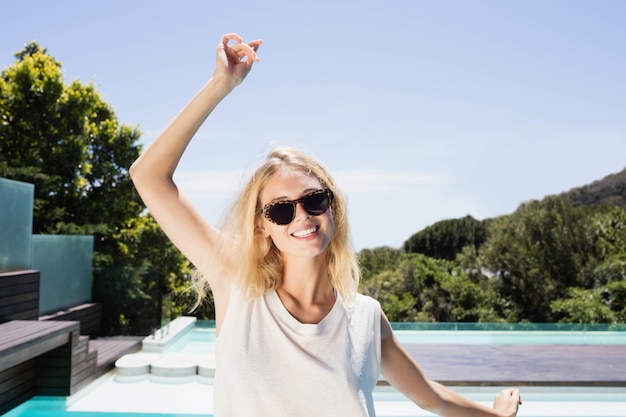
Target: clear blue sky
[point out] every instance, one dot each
(423, 110)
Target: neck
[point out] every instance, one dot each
(306, 280)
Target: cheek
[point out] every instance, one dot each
(331, 222)
(271, 231)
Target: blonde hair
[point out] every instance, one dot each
(256, 263)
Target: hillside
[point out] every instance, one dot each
(609, 190)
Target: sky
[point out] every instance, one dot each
(421, 110)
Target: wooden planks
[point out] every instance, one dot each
(111, 349)
(19, 295)
(21, 340)
(17, 384)
(35, 357)
(558, 365)
(88, 314)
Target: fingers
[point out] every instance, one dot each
(255, 44)
(509, 393)
(230, 37)
(239, 50)
(508, 401)
(514, 394)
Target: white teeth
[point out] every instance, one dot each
(307, 232)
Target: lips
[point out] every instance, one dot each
(306, 232)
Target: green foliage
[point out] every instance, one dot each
(68, 142)
(374, 261)
(605, 304)
(446, 238)
(414, 287)
(548, 261)
(536, 253)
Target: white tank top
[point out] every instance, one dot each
(268, 364)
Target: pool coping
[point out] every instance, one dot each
(165, 336)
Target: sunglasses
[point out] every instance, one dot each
(283, 212)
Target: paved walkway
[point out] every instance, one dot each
(555, 365)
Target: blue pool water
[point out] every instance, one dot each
(201, 337)
(56, 407)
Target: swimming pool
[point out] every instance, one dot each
(149, 397)
(200, 337)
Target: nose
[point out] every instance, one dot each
(301, 212)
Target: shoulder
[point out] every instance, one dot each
(358, 300)
(366, 301)
(363, 308)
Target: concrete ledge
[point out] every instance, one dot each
(206, 367)
(168, 335)
(174, 366)
(135, 364)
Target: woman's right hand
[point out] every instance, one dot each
(507, 402)
(234, 60)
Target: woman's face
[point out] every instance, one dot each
(307, 235)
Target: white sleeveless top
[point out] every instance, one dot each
(268, 364)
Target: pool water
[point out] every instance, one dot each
(57, 407)
(201, 337)
(513, 337)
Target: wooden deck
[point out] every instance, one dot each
(37, 358)
(51, 358)
(523, 365)
(21, 340)
(111, 349)
(19, 295)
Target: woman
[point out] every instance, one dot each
(295, 338)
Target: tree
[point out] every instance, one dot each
(539, 252)
(603, 297)
(415, 287)
(68, 142)
(445, 239)
(606, 304)
(374, 261)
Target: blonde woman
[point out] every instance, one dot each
(294, 336)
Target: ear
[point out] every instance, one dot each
(264, 230)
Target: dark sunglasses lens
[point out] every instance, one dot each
(316, 204)
(281, 213)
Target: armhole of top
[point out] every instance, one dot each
(233, 298)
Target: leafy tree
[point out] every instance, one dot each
(543, 249)
(535, 254)
(446, 238)
(374, 261)
(68, 142)
(166, 272)
(606, 304)
(414, 287)
(603, 298)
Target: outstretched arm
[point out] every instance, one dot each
(406, 375)
(152, 173)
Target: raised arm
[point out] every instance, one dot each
(406, 375)
(152, 173)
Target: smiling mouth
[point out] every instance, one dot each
(306, 232)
